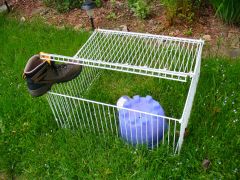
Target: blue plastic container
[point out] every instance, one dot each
(139, 128)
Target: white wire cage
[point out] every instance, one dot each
(171, 58)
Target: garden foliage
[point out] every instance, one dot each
(140, 8)
(63, 5)
(228, 10)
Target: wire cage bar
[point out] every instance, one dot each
(171, 58)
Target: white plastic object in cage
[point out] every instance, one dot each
(171, 58)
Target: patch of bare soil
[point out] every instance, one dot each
(220, 38)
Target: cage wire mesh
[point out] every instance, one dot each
(157, 56)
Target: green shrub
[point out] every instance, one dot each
(98, 3)
(228, 10)
(112, 16)
(131, 3)
(140, 8)
(183, 9)
(64, 5)
(171, 7)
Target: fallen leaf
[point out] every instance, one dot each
(206, 163)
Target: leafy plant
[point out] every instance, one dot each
(228, 10)
(183, 9)
(63, 5)
(141, 9)
(112, 16)
(188, 32)
(189, 17)
(98, 3)
(171, 7)
(131, 3)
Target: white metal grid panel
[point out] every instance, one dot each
(102, 119)
(151, 55)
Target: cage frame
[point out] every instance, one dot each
(137, 40)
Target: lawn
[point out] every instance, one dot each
(32, 146)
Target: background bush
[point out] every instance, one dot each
(228, 10)
(183, 9)
(140, 8)
(64, 5)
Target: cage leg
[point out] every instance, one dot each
(188, 105)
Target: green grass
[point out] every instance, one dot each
(108, 89)
(32, 146)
